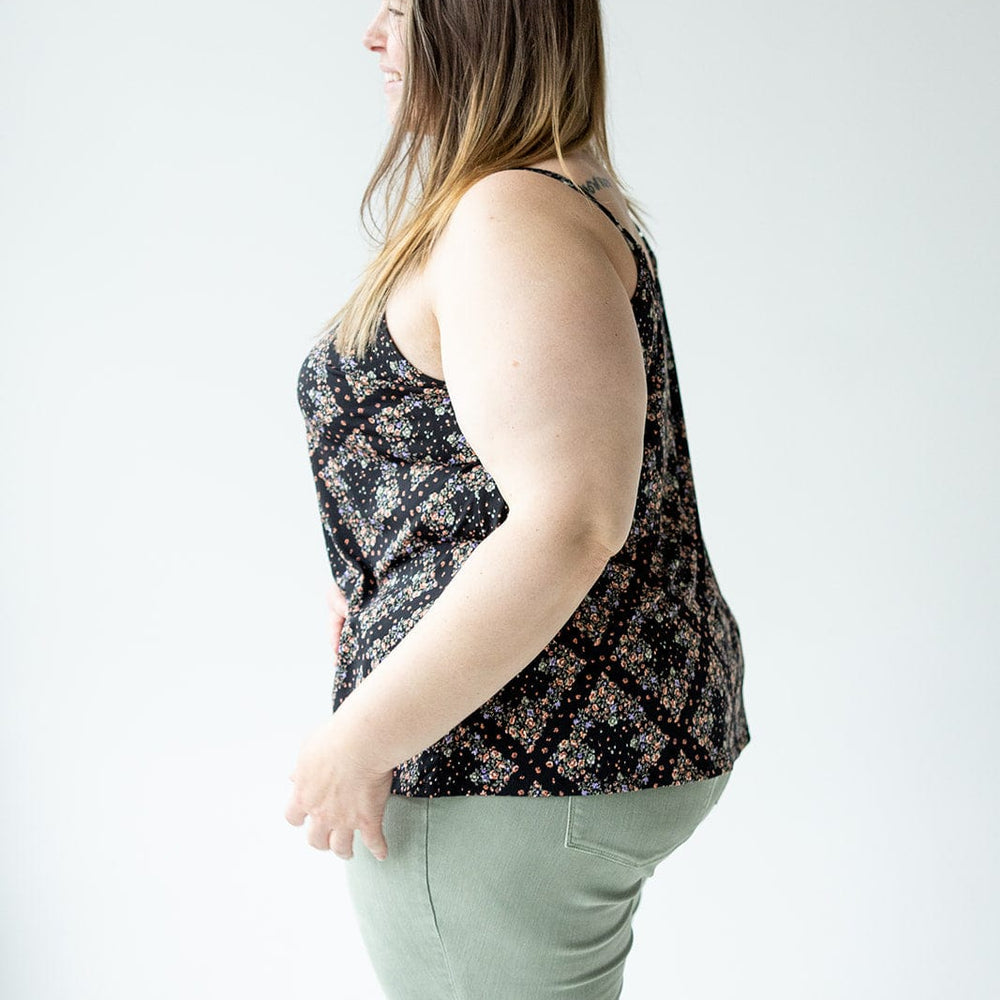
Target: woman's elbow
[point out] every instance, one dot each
(613, 533)
(598, 531)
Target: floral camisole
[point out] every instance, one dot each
(641, 688)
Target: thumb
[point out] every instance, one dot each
(374, 839)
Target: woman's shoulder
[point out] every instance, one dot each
(505, 225)
(523, 213)
(517, 194)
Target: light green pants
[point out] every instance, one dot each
(493, 897)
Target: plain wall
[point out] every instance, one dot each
(179, 189)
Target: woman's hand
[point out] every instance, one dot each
(340, 792)
(338, 615)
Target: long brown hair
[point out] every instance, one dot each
(489, 85)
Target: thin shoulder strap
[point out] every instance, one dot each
(630, 239)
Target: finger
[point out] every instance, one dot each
(294, 812)
(319, 834)
(374, 839)
(341, 842)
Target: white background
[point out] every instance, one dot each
(178, 206)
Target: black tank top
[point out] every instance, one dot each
(641, 688)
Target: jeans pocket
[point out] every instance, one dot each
(639, 829)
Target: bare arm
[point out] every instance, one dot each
(545, 373)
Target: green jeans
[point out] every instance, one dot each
(498, 897)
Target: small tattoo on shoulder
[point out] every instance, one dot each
(595, 184)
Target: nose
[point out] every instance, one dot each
(374, 36)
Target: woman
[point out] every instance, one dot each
(538, 691)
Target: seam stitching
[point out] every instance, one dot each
(430, 900)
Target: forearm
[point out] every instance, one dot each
(512, 594)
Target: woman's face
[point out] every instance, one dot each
(385, 36)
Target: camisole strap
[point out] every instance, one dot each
(629, 238)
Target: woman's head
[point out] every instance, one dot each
(485, 85)
(487, 80)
